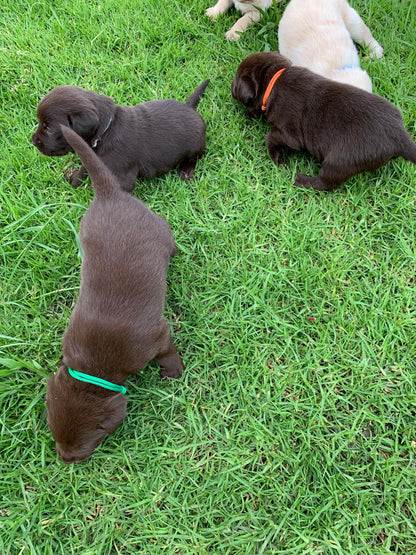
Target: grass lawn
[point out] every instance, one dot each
(293, 427)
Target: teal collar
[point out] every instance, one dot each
(96, 381)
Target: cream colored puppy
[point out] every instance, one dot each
(247, 7)
(319, 35)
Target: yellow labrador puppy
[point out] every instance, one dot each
(247, 7)
(319, 35)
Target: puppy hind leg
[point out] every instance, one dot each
(360, 33)
(328, 179)
(310, 182)
(408, 151)
(168, 356)
(186, 168)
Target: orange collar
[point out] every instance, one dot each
(270, 86)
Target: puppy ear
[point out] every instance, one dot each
(115, 411)
(84, 123)
(247, 90)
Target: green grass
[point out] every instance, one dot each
(292, 429)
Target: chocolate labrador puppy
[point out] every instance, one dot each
(144, 140)
(117, 326)
(348, 129)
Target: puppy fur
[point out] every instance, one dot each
(144, 140)
(319, 35)
(248, 7)
(348, 129)
(117, 326)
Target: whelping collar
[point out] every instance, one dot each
(97, 381)
(270, 87)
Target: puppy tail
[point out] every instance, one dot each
(409, 151)
(103, 181)
(195, 97)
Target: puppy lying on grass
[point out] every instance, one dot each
(117, 326)
(348, 129)
(319, 35)
(251, 15)
(144, 140)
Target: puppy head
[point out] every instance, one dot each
(253, 76)
(64, 105)
(78, 418)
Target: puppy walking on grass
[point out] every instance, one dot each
(349, 130)
(319, 35)
(117, 326)
(144, 140)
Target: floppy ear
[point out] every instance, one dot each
(115, 411)
(84, 123)
(247, 90)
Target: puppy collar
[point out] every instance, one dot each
(98, 139)
(270, 87)
(96, 381)
(350, 66)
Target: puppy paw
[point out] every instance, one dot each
(276, 155)
(173, 372)
(213, 12)
(376, 50)
(72, 175)
(232, 35)
(379, 51)
(171, 364)
(186, 170)
(304, 181)
(252, 113)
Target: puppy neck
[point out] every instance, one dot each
(97, 139)
(270, 87)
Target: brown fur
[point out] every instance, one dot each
(349, 130)
(117, 326)
(133, 141)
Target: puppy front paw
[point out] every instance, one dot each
(171, 364)
(376, 50)
(72, 175)
(213, 12)
(232, 35)
(172, 372)
(252, 113)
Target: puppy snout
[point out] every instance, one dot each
(36, 141)
(66, 457)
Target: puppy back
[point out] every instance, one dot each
(104, 183)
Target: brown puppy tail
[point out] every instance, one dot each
(195, 97)
(103, 181)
